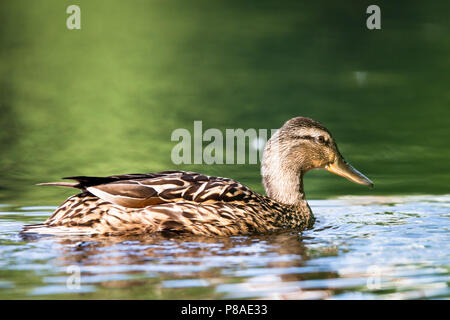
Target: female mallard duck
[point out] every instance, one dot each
(189, 202)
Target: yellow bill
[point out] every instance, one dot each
(344, 169)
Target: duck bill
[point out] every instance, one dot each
(344, 169)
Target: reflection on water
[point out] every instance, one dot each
(361, 247)
(105, 99)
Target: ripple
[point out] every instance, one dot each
(359, 248)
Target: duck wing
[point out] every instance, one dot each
(142, 190)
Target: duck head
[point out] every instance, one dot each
(300, 145)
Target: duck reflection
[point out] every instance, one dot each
(234, 267)
(179, 249)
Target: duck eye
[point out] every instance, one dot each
(321, 139)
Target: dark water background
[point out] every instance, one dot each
(105, 99)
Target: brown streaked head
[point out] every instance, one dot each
(300, 145)
(309, 144)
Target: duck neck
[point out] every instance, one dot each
(282, 183)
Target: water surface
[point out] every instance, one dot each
(359, 248)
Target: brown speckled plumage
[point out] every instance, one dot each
(189, 202)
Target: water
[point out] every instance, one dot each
(105, 99)
(360, 248)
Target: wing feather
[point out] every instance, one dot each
(142, 190)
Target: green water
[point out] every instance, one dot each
(105, 99)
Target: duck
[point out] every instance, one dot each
(184, 202)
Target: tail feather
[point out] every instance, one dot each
(61, 184)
